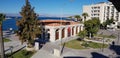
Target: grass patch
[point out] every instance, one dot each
(21, 54)
(76, 44)
(6, 40)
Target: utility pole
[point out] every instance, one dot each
(103, 43)
(61, 31)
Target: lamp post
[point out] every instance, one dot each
(103, 45)
(61, 34)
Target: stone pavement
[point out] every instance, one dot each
(44, 54)
(16, 46)
(15, 43)
(110, 42)
(47, 51)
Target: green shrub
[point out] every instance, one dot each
(6, 40)
(85, 44)
(21, 54)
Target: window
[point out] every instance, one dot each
(98, 7)
(92, 11)
(98, 10)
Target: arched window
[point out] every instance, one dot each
(57, 34)
(63, 32)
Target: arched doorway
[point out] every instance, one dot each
(48, 34)
(76, 29)
(69, 31)
(72, 30)
(57, 34)
(80, 28)
(43, 34)
(63, 32)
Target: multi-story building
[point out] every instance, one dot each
(103, 11)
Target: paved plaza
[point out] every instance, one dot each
(47, 50)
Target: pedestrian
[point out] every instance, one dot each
(113, 43)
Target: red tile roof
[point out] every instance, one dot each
(57, 22)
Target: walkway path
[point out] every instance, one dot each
(110, 42)
(48, 48)
(15, 43)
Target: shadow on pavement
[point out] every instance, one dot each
(62, 48)
(97, 55)
(115, 48)
(74, 57)
(41, 42)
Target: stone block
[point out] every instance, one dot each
(56, 52)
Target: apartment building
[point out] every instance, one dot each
(103, 11)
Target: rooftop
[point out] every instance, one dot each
(58, 22)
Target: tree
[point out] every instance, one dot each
(2, 17)
(70, 17)
(111, 20)
(85, 15)
(28, 26)
(107, 22)
(92, 26)
(78, 17)
(82, 34)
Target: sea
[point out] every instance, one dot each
(11, 22)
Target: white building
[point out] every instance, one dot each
(103, 11)
(59, 29)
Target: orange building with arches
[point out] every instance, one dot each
(54, 30)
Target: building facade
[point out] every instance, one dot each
(59, 29)
(103, 11)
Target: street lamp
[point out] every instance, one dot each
(103, 43)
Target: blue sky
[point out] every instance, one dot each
(48, 7)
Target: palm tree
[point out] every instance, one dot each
(2, 17)
(77, 17)
(85, 15)
(28, 25)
